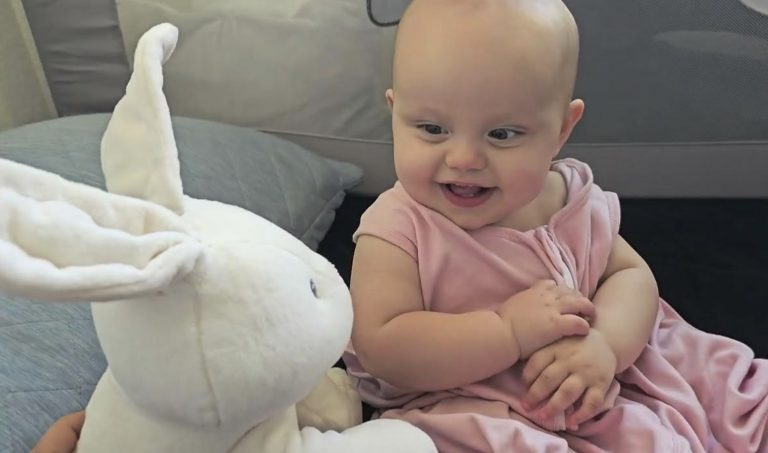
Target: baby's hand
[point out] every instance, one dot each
(544, 313)
(570, 370)
(62, 436)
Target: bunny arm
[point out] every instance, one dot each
(61, 240)
(334, 404)
(331, 420)
(138, 150)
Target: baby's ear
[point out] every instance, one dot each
(572, 117)
(61, 240)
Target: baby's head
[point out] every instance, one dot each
(482, 103)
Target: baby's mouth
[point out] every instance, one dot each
(466, 191)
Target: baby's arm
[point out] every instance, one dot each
(572, 368)
(398, 341)
(627, 301)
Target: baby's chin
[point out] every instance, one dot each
(468, 220)
(471, 225)
(465, 218)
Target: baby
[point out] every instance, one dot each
(496, 305)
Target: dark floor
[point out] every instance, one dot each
(710, 258)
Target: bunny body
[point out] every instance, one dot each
(279, 433)
(215, 322)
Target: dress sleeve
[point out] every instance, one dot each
(604, 221)
(391, 218)
(614, 212)
(589, 228)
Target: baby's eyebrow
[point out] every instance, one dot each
(422, 109)
(421, 114)
(506, 126)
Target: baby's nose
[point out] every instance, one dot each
(465, 157)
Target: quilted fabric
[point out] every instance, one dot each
(50, 362)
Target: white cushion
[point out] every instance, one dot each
(312, 71)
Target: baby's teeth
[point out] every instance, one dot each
(465, 191)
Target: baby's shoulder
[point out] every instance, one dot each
(396, 205)
(555, 193)
(552, 199)
(393, 216)
(393, 198)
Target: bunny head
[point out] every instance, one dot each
(207, 314)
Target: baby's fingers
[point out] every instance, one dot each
(591, 405)
(578, 305)
(545, 384)
(570, 390)
(573, 325)
(538, 362)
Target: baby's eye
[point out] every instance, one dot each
(432, 129)
(503, 133)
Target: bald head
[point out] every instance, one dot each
(541, 34)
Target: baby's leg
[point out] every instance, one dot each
(731, 385)
(460, 425)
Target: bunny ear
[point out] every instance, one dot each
(65, 241)
(138, 151)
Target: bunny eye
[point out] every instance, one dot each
(313, 287)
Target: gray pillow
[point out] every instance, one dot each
(272, 177)
(50, 362)
(50, 358)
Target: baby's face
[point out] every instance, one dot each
(477, 117)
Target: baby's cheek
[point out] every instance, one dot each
(526, 184)
(412, 168)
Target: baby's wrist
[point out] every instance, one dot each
(512, 342)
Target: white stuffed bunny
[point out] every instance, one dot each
(214, 321)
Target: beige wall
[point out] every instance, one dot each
(24, 93)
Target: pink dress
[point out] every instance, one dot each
(689, 391)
